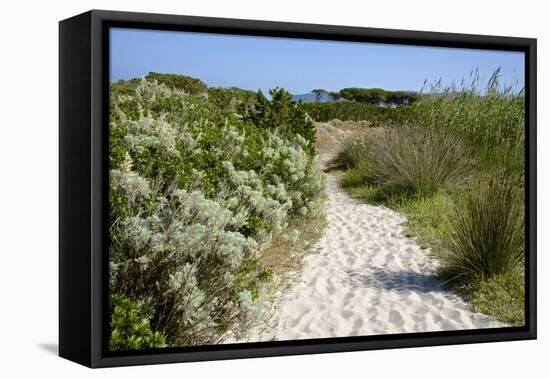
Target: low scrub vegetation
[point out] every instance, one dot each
(356, 111)
(199, 179)
(130, 328)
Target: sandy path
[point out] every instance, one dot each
(365, 277)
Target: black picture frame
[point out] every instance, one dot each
(83, 187)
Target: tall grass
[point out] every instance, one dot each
(491, 116)
(416, 161)
(488, 114)
(487, 233)
(410, 161)
(352, 153)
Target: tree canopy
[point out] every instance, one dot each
(187, 83)
(373, 96)
(377, 95)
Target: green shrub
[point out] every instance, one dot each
(487, 230)
(186, 83)
(235, 99)
(180, 257)
(130, 329)
(195, 186)
(356, 111)
(283, 115)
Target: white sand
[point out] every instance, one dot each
(366, 278)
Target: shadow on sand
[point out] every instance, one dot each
(398, 281)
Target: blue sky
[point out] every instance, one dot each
(299, 65)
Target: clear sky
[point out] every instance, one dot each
(299, 65)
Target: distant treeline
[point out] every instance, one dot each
(372, 96)
(355, 111)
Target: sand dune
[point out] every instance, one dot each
(366, 277)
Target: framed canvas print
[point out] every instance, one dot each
(234, 188)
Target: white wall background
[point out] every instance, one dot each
(29, 189)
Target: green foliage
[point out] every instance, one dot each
(492, 125)
(353, 178)
(130, 329)
(249, 277)
(486, 123)
(487, 230)
(351, 155)
(186, 83)
(197, 180)
(487, 117)
(428, 219)
(356, 111)
(234, 99)
(283, 115)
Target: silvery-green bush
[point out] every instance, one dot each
(195, 189)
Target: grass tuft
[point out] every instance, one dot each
(487, 233)
(352, 153)
(415, 162)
